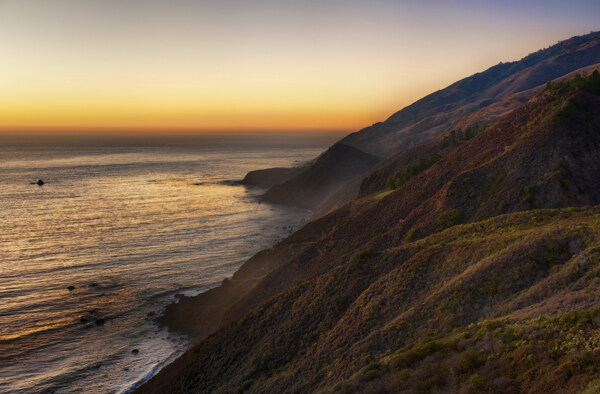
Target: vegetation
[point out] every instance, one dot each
(588, 83)
(482, 277)
(362, 255)
(450, 218)
(456, 137)
(406, 173)
(529, 192)
(501, 355)
(418, 317)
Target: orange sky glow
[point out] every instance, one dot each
(251, 66)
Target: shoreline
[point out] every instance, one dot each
(157, 368)
(198, 316)
(208, 307)
(124, 275)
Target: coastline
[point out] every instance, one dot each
(200, 315)
(149, 375)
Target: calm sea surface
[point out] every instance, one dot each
(128, 223)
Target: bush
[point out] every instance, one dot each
(456, 137)
(362, 255)
(450, 218)
(476, 381)
(245, 386)
(529, 192)
(406, 173)
(576, 318)
(410, 235)
(589, 83)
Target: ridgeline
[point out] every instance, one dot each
(459, 252)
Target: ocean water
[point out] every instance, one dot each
(128, 223)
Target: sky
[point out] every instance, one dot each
(254, 65)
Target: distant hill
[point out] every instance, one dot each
(338, 165)
(377, 178)
(434, 114)
(270, 177)
(476, 272)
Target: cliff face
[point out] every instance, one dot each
(502, 87)
(476, 274)
(338, 165)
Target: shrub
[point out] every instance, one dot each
(450, 218)
(410, 234)
(471, 359)
(244, 386)
(456, 137)
(529, 192)
(362, 255)
(589, 83)
(576, 318)
(563, 167)
(476, 381)
(406, 173)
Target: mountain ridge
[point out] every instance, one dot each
(479, 273)
(434, 114)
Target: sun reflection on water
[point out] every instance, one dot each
(127, 232)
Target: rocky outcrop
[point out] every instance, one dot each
(271, 176)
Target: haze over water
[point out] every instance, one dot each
(128, 223)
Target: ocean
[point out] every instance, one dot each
(121, 225)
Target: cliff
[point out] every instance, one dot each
(468, 264)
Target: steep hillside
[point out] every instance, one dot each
(435, 113)
(393, 293)
(377, 178)
(402, 318)
(198, 316)
(331, 170)
(535, 157)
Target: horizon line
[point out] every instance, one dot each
(164, 131)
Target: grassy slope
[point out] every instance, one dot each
(537, 156)
(330, 313)
(403, 317)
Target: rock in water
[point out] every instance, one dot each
(40, 182)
